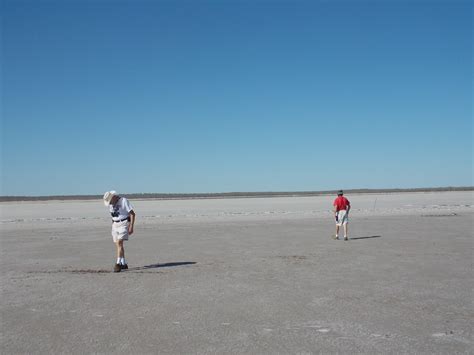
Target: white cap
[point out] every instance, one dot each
(108, 197)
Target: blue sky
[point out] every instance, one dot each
(219, 96)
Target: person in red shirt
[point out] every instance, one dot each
(341, 213)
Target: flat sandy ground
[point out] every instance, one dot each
(254, 276)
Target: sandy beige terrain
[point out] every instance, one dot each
(249, 275)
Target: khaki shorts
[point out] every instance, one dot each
(120, 230)
(342, 217)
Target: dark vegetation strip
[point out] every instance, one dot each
(184, 196)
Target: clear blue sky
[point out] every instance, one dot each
(219, 96)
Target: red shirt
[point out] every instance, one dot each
(341, 203)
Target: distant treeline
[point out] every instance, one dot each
(178, 196)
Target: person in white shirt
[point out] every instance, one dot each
(123, 220)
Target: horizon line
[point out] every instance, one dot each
(234, 194)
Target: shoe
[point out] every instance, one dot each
(117, 268)
(124, 267)
(345, 238)
(335, 237)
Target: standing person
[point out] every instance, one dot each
(123, 220)
(341, 213)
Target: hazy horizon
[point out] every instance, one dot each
(233, 194)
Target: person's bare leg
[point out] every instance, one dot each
(337, 231)
(120, 253)
(346, 236)
(120, 249)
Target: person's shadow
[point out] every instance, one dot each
(159, 266)
(372, 236)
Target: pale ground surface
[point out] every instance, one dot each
(256, 276)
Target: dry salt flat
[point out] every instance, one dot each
(240, 276)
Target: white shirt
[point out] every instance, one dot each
(121, 209)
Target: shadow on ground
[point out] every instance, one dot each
(372, 236)
(108, 271)
(159, 266)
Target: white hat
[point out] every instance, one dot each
(108, 197)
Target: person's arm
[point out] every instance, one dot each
(132, 222)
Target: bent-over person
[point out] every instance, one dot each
(123, 220)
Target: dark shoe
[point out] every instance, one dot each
(124, 267)
(346, 238)
(117, 268)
